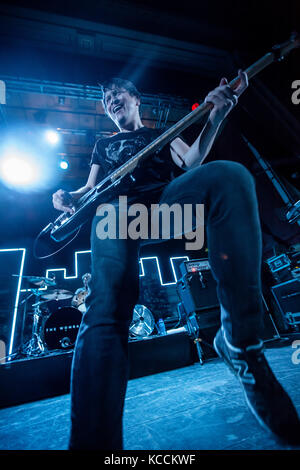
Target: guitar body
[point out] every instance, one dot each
(66, 224)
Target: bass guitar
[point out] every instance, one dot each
(66, 224)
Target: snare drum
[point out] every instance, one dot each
(61, 328)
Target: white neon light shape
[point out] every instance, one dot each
(48, 271)
(15, 311)
(75, 276)
(172, 264)
(64, 269)
(158, 268)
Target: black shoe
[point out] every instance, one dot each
(265, 397)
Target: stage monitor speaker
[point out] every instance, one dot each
(197, 288)
(287, 298)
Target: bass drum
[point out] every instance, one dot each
(61, 328)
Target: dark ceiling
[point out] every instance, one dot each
(177, 47)
(223, 24)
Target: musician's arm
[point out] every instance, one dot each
(188, 157)
(91, 183)
(223, 100)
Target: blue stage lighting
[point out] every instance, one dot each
(52, 136)
(64, 165)
(27, 161)
(19, 169)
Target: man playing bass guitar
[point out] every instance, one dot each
(174, 175)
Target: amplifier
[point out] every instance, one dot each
(287, 298)
(194, 266)
(197, 289)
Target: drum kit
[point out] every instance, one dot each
(53, 330)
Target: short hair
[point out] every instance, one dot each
(116, 82)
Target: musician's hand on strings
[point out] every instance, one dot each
(224, 98)
(63, 201)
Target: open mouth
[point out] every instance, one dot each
(117, 108)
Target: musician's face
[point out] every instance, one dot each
(121, 106)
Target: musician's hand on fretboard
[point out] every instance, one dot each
(224, 98)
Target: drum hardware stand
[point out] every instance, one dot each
(36, 345)
(194, 332)
(24, 301)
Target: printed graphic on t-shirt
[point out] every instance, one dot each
(154, 172)
(120, 151)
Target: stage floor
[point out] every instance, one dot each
(191, 408)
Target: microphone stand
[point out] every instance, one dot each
(292, 208)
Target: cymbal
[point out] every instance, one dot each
(41, 281)
(38, 280)
(142, 321)
(58, 294)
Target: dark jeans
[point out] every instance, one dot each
(100, 364)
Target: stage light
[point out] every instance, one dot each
(27, 161)
(24, 167)
(52, 136)
(17, 169)
(194, 106)
(64, 165)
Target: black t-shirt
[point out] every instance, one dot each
(153, 174)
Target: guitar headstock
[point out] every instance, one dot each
(281, 50)
(295, 38)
